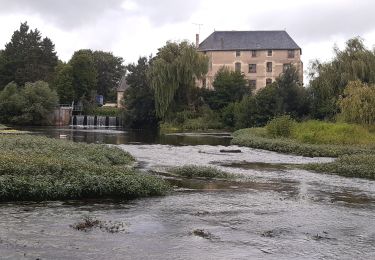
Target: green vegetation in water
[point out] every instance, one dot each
(357, 165)
(356, 157)
(193, 171)
(40, 168)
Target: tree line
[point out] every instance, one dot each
(29, 58)
(341, 89)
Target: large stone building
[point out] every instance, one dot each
(261, 55)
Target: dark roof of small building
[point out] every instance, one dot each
(123, 85)
(248, 40)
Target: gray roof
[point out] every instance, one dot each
(123, 85)
(248, 40)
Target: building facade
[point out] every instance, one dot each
(261, 55)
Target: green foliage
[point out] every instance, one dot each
(63, 83)
(257, 138)
(110, 70)
(193, 171)
(229, 86)
(358, 103)
(280, 126)
(31, 105)
(358, 165)
(39, 168)
(173, 74)
(139, 102)
(27, 58)
(84, 75)
(318, 132)
(328, 80)
(106, 111)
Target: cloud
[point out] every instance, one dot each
(320, 21)
(72, 14)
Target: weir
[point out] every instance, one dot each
(94, 121)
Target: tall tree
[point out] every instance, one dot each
(84, 75)
(328, 80)
(229, 86)
(27, 57)
(139, 99)
(173, 75)
(110, 69)
(63, 83)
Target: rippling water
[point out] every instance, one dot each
(278, 213)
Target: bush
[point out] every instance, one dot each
(31, 105)
(280, 126)
(40, 168)
(106, 111)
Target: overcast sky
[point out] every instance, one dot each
(133, 28)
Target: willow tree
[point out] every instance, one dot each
(328, 80)
(173, 75)
(358, 103)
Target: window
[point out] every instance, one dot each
(238, 53)
(290, 53)
(268, 82)
(286, 66)
(253, 53)
(269, 66)
(252, 68)
(269, 53)
(252, 84)
(204, 83)
(238, 67)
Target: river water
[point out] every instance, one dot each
(275, 212)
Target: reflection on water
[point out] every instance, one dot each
(120, 136)
(275, 212)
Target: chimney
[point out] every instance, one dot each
(197, 40)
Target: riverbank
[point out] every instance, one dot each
(40, 168)
(356, 157)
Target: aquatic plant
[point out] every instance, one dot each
(193, 171)
(40, 168)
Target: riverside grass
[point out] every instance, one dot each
(356, 157)
(40, 168)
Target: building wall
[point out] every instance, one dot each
(120, 96)
(218, 59)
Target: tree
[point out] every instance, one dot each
(27, 58)
(139, 99)
(110, 69)
(84, 76)
(30, 105)
(173, 75)
(63, 83)
(357, 105)
(292, 95)
(229, 86)
(328, 80)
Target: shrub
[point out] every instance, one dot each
(280, 126)
(31, 105)
(106, 111)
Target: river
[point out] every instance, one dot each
(277, 213)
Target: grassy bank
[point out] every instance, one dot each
(40, 168)
(353, 145)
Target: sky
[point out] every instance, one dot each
(134, 28)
